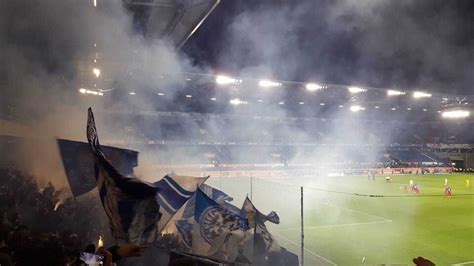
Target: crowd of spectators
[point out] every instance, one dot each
(45, 226)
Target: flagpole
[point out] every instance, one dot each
(251, 187)
(302, 230)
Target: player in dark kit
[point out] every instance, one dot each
(448, 192)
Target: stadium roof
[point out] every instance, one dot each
(176, 20)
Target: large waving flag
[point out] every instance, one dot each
(129, 203)
(173, 192)
(215, 194)
(264, 242)
(185, 236)
(184, 221)
(217, 232)
(267, 251)
(78, 162)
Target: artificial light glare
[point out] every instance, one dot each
(455, 114)
(268, 83)
(420, 94)
(225, 80)
(96, 72)
(356, 108)
(237, 101)
(313, 87)
(356, 90)
(395, 93)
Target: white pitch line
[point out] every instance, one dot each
(464, 263)
(363, 213)
(307, 250)
(334, 225)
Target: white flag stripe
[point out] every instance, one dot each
(163, 201)
(175, 189)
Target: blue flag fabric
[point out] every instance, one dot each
(217, 195)
(78, 162)
(129, 203)
(264, 242)
(217, 232)
(173, 192)
(185, 229)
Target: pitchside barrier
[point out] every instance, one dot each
(206, 170)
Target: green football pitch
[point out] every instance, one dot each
(345, 225)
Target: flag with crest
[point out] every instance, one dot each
(217, 232)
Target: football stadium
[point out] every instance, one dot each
(208, 132)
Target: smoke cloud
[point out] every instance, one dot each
(49, 49)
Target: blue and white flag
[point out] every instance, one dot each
(78, 162)
(129, 203)
(217, 232)
(217, 195)
(173, 192)
(264, 241)
(185, 229)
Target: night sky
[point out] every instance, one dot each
(423, 44)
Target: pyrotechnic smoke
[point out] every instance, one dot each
(49, 50)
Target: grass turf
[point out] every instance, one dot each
(342, 227)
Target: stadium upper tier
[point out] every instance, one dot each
(159, 127)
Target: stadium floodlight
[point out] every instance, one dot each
(281, 103)
(96, 72)
(409, 108)
(454, 114)
(225, 80)
(189, 96)
(237, 101)
(268, 83)
(313, 87)
(356, 108)
(160, 94)
(259, 100)
(395, 93)
(355, 90)
(424, 109)
(420, 94)
(322, 104)
(393, 108)
(92, 92)
(340, 106)
(82, 90)
(213, 99)
(301, 103)
(377, 107)
(132, 93)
